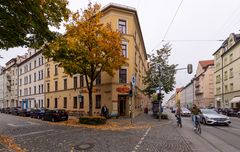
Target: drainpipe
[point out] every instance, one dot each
(223, 105)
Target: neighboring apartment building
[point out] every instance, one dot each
(10, 84)
(182, 96)
(189, 94)
(63, 91)
(227, 73)
(31, 80)
(1, 86)
(203, 83)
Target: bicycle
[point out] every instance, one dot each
(179, 121)
(198, 129)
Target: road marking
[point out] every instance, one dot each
(33, 133)
(141, 140)
(22, 124)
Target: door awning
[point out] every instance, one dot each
(235, 100)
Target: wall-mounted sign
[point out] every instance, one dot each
(123, 89)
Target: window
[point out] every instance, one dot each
(81, 81)
(74, 102)
(225, 75)
(30, 91)
(39, 75)
(42, 60)
(55, 102)
(42, 87)
(123, 76)
(39, 89)
(48, 87)
(48, 72)
(122, 26)
(35, 89)
(74, 82)
(65, 84)
(20, 92)
(20, 82)
(231, 87)
(226, 88)
(98, 79)
(35, 63)
(81, 102)
(65, 102)
(21, 71)
(30, 66)
(35, 77)
(48, 103)
(98, 101)
(56, 86)
(231, 73)
(230, 57)
(30, 78)
(39, 61)
(56, 70)
(124, 50)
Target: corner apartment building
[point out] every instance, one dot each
(63, 91)
(227, 73)
(31, 80)
(204, 84)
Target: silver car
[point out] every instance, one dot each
(209, 116)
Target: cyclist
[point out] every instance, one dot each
(195, 112)
(178, 116)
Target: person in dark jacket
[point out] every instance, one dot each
(104, 111)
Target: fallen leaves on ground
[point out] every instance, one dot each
(110, 125)
(10, 143)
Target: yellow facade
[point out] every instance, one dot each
(112, 92)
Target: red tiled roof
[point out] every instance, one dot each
(206, 63)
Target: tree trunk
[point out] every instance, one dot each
(90, 102)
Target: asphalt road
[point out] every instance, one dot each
(213, 138)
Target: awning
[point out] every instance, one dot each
(235, 100)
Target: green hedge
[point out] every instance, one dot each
(163, 116)
(92, 120)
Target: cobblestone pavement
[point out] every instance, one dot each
(37, 136)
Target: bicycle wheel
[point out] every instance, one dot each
(198, 128)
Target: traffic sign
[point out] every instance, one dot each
(133, 80)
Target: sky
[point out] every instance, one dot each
(199, 23)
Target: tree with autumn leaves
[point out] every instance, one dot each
(88, 47)
(27, 22)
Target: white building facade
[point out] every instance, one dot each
(1, 87)
(31, 80)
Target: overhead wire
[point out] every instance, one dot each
(169, 26)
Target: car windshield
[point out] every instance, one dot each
(208, 111)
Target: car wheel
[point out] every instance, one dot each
(204, 121)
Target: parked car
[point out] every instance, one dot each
(7, 110)
(15, 110)
(230, 112)
(25, 112)
(186, 112)
(38, 113)
(209, 116)
(55, 115)
(2, 110)
(174, 110)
